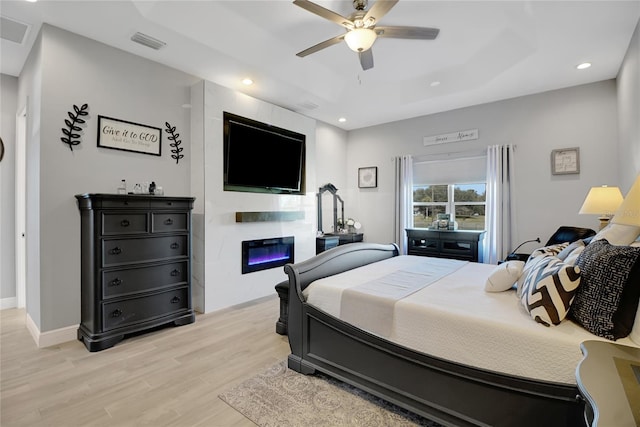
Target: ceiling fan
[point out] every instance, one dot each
(361, 28)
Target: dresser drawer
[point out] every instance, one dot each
(126, 251)
(458, 248)
(162, 222)
(124, 223)
(119, 203)
(144, 308)
(170, 204)
(423, 244)
(117, 283)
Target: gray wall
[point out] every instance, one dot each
(628, 82)
(69, 70)
(583, 116)
(331, 156)
(8, 109)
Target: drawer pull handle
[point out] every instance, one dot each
(116, 282)
(169, 203)
(115, 251)
(174, 246)
(125, 223)
(175, 272)
(126, 203)
(175, 300)
(168, 221)
(116, 313)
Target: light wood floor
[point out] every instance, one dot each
(170, 377)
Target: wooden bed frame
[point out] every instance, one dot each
(449, 393)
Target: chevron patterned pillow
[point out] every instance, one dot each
(551, 250)
(549, 289)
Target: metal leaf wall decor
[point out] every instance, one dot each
(70, 136)
(173, 136)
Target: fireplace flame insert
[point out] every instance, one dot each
(263, 254)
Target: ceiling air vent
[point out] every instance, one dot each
(13, 30)
(307, 105)
(148, 41)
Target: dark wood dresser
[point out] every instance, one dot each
(136, 265)
(457, 244)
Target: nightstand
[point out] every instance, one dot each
(608, 378)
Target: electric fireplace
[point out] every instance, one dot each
(263, 254)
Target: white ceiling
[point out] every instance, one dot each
(486, 51)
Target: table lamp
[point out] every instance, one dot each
(629, 211)
(603, 201)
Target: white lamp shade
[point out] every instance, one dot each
(629, 211)
(360, 39)
(602, 201)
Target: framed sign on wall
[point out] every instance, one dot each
(128, 136)
(565, 161)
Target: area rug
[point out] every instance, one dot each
(282, 397)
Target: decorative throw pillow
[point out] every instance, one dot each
(551, 250)
(569, 255)
(535, 257)
(504, 276)
(607, 301)
(528, 266)
(618, 234)
(549, 289)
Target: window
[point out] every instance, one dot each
(464, 202)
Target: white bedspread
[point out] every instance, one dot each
(455, 319)
(371, 303)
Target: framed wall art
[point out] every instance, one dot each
(368, 177)
(128, 136)
(565, 161)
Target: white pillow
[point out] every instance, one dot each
(618, 234)
(504, 276)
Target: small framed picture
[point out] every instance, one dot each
(565, 161)
(368, 177)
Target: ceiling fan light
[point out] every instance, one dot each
(360, 39)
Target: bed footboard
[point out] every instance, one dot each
(328, 263)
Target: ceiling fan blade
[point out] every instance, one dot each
(420, 33)
(379, 9)
(366, 59)
(324, 13)
(320, 46)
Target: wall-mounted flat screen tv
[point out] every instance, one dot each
(262, 158)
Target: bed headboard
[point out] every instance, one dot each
(336, 260)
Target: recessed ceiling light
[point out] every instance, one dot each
(32, 1)
(434, 84)
(583, 66)
(247, 81)
(342, 120)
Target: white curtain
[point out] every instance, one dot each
(500, 208)
(403, 206)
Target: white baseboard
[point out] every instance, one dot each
(8, 303)
(50, 338)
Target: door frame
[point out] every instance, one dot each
(21, 207)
